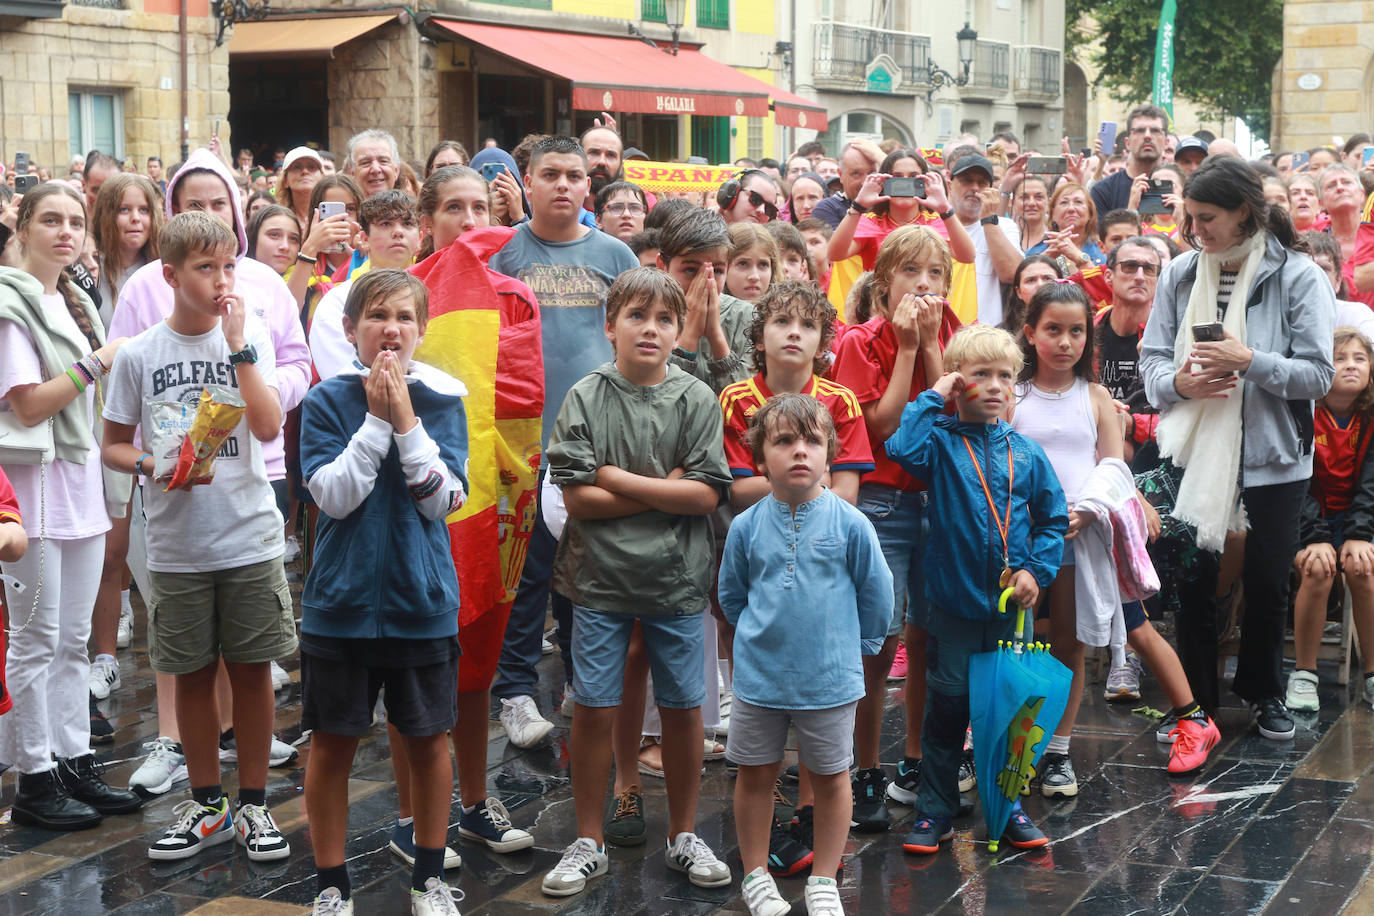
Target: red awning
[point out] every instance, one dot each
(625, 74)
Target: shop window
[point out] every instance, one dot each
(95, 120)
(755, 138)
(653, 11)
(713, 14)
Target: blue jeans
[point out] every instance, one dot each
(522, 649)
(674, 643)
(899, 518)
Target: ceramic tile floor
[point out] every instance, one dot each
(1265, 828)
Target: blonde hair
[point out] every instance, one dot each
(744, 236)
(982, 343)
(903, 246)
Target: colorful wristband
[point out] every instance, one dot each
(76, 380)
(138, 465)
(104, 369)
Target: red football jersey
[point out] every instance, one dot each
(740, 401)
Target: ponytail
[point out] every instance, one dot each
(67, 290)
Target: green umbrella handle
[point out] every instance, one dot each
(1020, 642)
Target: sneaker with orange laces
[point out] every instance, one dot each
(1193, 738)
(898, 672)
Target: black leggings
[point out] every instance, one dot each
(1270, 545)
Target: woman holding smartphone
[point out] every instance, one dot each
(1231, 447)
(326, 254)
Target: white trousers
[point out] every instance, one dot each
(47, 669)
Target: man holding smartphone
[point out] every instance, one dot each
(1147, 127)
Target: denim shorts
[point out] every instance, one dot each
(903, 526)
(675, 643)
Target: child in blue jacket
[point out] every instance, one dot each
(998, 518)
(383, 452)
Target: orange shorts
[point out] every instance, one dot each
(481, 642)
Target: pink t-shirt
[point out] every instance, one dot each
(74, 494)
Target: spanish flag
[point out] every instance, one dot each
(484, 329)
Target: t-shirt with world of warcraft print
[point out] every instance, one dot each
(233, 520)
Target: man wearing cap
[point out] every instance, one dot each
(860, 159)
(1189, 155)
(1147, 127)
(996, 240)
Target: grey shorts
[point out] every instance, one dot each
(242, 614)
(758, 735)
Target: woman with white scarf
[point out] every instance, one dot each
(1236, 413)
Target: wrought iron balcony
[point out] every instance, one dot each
(990, 76)
(1038, 73)
(843, 53)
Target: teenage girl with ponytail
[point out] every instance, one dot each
(53, 360)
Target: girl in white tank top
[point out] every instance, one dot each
(1060, 406)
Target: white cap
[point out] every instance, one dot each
(301, 152)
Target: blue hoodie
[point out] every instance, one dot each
(964, 561)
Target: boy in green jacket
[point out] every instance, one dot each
(638, 450)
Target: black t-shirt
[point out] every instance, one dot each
(1118, 362)
(1111, 193)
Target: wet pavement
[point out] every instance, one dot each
(1265, 828)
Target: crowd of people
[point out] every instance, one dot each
(760, 452)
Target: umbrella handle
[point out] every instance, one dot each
(1020, 642)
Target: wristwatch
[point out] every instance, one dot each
(247, 355)
(857, 207)
(947, 214)
(989, 221)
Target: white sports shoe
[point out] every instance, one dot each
(689, 853)
(569, 704)
(280, 678)
(293, 549)
(823, 897)
(581, 860)
(331, 903)
(279, 753)
(164, 767)
(104, 677)
(761, 894)
(258, 834)
(125, 634)
(525, 727)
(1302, 692)
(438, 899)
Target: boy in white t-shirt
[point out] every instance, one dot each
(218, 588)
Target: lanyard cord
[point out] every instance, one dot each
(1003, 527)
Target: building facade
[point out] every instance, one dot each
(107, 74)
(1324, 83)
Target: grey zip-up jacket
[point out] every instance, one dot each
(1290, 323)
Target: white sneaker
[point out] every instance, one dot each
(164, 767)
(546, 647)
(823, 897)
(104, 677)
(293, 550)
(125, 634)
(581, 860)
(689, 853)
(438, 899)
(1302, 692)
(258, 833)
(280, 678)
(569, 704)
(726, 701)
(331, 903)
(279, 753)
(525, 727)
(761, 894)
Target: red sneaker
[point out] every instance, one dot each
(1192, 741)
(898, 672)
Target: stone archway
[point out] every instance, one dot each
(1075, 104)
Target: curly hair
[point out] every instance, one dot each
(800, 298)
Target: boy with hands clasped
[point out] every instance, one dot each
(798, 564)
(998, 518)
(383, 452)
(218, 587)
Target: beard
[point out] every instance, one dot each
(600, 177)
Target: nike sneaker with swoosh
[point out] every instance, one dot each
(258, 834)
(196, 827)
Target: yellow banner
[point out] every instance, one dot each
(676, 176)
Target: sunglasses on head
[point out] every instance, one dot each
(758, 200)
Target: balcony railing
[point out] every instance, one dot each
(1037, 73)
(843, 53)
(990, 76)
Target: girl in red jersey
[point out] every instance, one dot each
(1338, 518)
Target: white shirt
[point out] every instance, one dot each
(329, 348)
(989, 285)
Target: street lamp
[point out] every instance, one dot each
(939, 78)
(228, 12)
(675, 12)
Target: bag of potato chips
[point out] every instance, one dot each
(184, 443)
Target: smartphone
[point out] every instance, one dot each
(1046, 165)
(21, 162)
(490, 170)
(25, 182)
(1209, 332)
(1367, 157)
(1300, 161)
(904, 187)
(216, 133)
(330, 208)
(1107, 134)
(1152, 200)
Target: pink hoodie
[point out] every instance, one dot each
(146, 299)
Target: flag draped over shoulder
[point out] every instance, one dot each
(484, 329)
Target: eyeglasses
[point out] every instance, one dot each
(1130, 267)
(619, 209)
(1138, 131)
(768, 206)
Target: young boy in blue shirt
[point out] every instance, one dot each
(998, 518)
(383, 452)
(804, 582)
(637, 449)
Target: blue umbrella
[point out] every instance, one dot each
(1017, 694)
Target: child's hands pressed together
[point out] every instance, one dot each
(906, 324)
(930, 311)
(398, 395)
(376, 388)
(1025, 591)
(231, 319)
